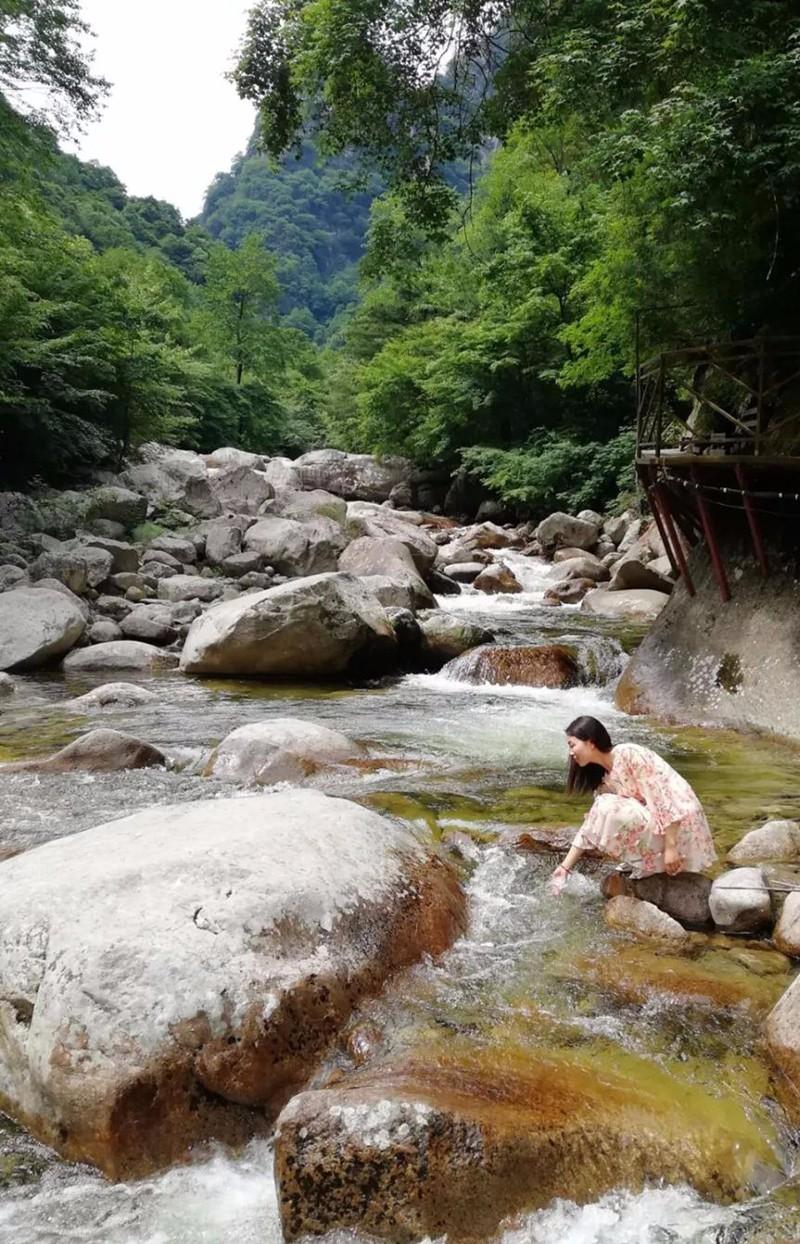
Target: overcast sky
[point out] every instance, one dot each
(171, 121)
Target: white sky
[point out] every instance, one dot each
(171, 120)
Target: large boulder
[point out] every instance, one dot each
(497, 579)
(154, 624)
(640, 605)
(113, 504)
(19, 514)
(581, 568)
(391, 559)
(783, 1043)
(683, 897)
(563, 531)
(631, 573)
(534, 665)
(280, 473)
(740, 901)
(324, 625)
(445, 636)
(181, 548)
(786, 935)
(122, 654)
(223, 540)
(452, 1144)
(296, 549)
(643, 920)
(227, 458)
(240, 489)
(113, 695)
(775, 840)
(316, 503)
(37, 626)
(356, 477)
(374, 520)
(190, 587)
(99, 751)
(284, 749)
(173, 478)
(66, 565)
(124, 557)
(174, 976)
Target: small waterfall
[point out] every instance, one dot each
(579, 660)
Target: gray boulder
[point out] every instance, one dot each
(181, 548)
(241, 564)
(122, 654)
(640, 605)
(190, 587)
(171, 478)
(316, 503)
(581, 568)
(240, 489)
(19, 514)
(227, 457)
(497, 579)
(374, 520)
(10, 576)
(223, 540)
(153, 624)
(99, 562)
(124, 557)
(280, 473)
(391, 559)
(285, 749)
(320, 626)
(69, 567)
(783, 1043)
(113, 695)
(37, 627)
(776, 840)
(113, 504)
(445, 637)
(632, 573)
(293, 548)
(356, 477)
(615, 529)
(99, 751)
(171, 978)
(561, 530)
(643, 920)
(786, 935)
(104, 631)
(740, 901)
(464, 572)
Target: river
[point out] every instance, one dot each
(466, 762)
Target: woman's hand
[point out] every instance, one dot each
(558, 880)
(673, 861)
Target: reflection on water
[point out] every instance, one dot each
(477, 759)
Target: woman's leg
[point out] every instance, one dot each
(611, 826)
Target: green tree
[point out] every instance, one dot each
(237, 317)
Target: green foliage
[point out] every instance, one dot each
(551, 473)
(40, 48)
(308, 220)
(237, 308)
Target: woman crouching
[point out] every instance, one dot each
(644, 814)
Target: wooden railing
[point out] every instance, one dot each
(720, 399)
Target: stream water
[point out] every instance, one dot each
(532, 973)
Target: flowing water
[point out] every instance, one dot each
(463, 763)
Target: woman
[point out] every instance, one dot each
(644, 815)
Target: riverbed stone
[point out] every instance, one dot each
(119, 655)
(775, 840)
(69, 567)
(529, 665)
(445, 636)
(228, 456)
(99, 562)
(630, 572)
(786, 934)
(497, 579)
(315, 503)
(352, 476)
(740, 902)
(297, 549)
(284, 749)
(190, 587)
(451, 1146)
(152, 623)
(364, 519)
(104, 631)
(683, 897)
(111, 503)
(223, 539)
(37, 626)
(561, 530)
(645, 920)
(171, 478)
(582, 568)
(124, 556)
(568, 591)
(240, 489)
(323, 625)
(99, 751)
(113, 695)
(638, 605)
(172, 977)
(388, 558)
(783, 1043)
(10, 575)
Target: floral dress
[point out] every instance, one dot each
(632, 809)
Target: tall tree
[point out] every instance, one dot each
(238, 307)
(41, 48)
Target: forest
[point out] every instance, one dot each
(438, 243)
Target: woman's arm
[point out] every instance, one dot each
(673, 861)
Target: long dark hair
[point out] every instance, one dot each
(583, 778)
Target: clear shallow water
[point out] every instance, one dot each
(528, 974)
